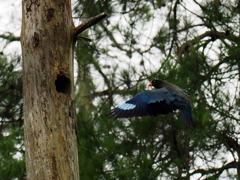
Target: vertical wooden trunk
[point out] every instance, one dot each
(49, 122)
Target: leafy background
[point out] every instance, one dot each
(193, 44)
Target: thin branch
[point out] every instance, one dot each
(107, 92)
(10, 37)
(84, 38)
(88, 23)
(216, 171)
(212, 35)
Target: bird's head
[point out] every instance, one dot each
(157, 83)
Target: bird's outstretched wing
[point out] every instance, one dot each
(153, 102)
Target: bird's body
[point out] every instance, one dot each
(165, 99)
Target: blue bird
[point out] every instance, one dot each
(164, 99)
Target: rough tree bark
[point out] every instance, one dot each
(49, 123)
(47, 38)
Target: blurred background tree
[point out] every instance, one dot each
(194, 44)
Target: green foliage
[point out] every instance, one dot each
(12, 165)
(193, 45)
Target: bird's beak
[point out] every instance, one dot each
(150, 84)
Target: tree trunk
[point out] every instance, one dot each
(49, 118)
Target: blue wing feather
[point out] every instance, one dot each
(155, 102)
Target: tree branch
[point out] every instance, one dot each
(88, 23)
(10, 37)
(216, 171)
(107, 92)
(212, 35)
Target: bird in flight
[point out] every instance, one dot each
(164, 99)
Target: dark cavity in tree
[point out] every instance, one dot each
(50, 14)
(63, 84)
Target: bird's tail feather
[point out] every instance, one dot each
(187, 117)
